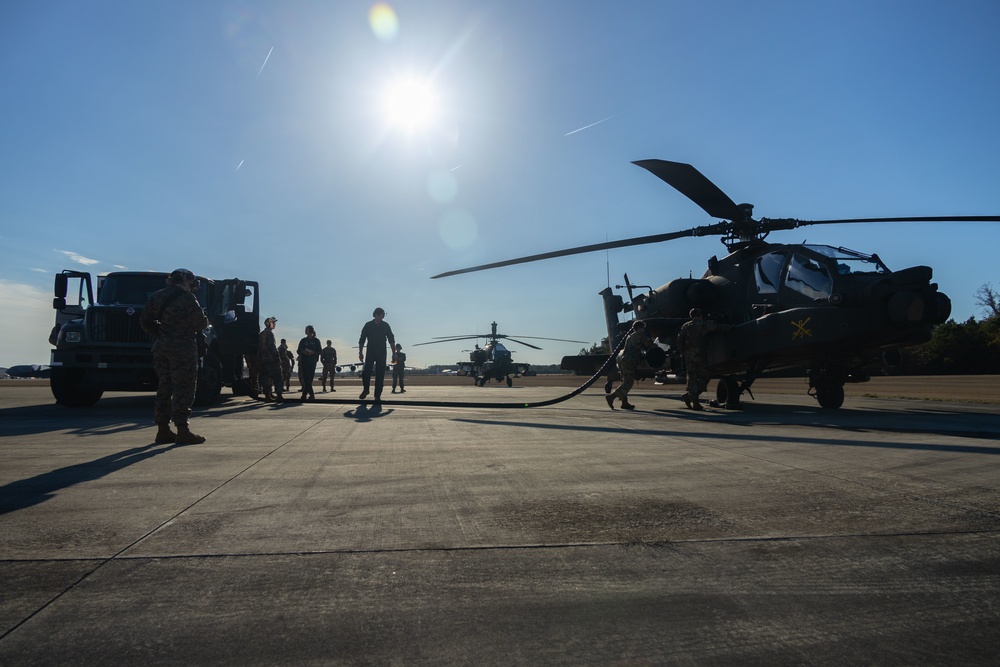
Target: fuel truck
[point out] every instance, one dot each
(99, 345)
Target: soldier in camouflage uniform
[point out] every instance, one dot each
(628, 362)
(691, 344)
(287, 360)
(174, 318)
(270, 363)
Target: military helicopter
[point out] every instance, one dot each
(833, 311)
(493, 361)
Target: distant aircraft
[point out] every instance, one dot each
(28, 371)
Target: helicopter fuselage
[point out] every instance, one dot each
(831, 310)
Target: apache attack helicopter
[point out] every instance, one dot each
(833, 311)
(493, 361)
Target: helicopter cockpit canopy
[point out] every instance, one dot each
(809, 270)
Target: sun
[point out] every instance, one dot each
(410, 104)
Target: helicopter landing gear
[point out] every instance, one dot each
(727, 392)
(827, 386)
(830, 395)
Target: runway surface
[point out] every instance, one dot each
(342, 533)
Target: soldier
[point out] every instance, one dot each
(328, 357)
(398, 369)
(691, 344)
(175, 319)
(628, 362)
(287, 360)
(269, 360)
(309, 350)
(376, 331)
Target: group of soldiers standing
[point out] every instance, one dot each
(274, 363)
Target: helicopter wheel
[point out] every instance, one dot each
(727, 392)
(830, 396)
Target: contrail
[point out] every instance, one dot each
(239, 165)
(265, 63)
(581, 129)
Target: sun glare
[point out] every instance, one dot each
(410, 104)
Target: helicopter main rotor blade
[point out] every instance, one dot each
(521, 342)
(695, 186)
(791, 223)
(639, 240)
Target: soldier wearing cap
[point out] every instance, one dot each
(174, 318)
(270, 363)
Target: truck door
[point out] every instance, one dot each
(235, 315)
(73, 294)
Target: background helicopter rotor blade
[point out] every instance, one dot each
(561, 340)
(709, 230)
(521, 342)
(445, 340)
(695, 186)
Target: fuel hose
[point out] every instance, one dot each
(478, 404)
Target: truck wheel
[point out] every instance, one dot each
(67, 390)
(209, 385)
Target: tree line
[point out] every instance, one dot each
(961, 348)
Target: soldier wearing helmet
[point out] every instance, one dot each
(175, 319)
(692, 344)
(628, 363)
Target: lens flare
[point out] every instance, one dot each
(383, 21)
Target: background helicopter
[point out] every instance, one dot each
(833, 311)
(493, 361)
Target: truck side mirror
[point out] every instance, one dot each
(59, 302)
(62, 283)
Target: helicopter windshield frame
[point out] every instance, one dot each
(851, 261)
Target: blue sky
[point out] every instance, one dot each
(250, 139)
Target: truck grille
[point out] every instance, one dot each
(115, 326)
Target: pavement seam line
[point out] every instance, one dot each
(117, 556)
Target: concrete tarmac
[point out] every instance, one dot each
(345, 534)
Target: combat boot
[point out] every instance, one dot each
(268, 397)
(627, 406)
(186, 437)
(696, 404)
(687, 399)
(163, 433)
